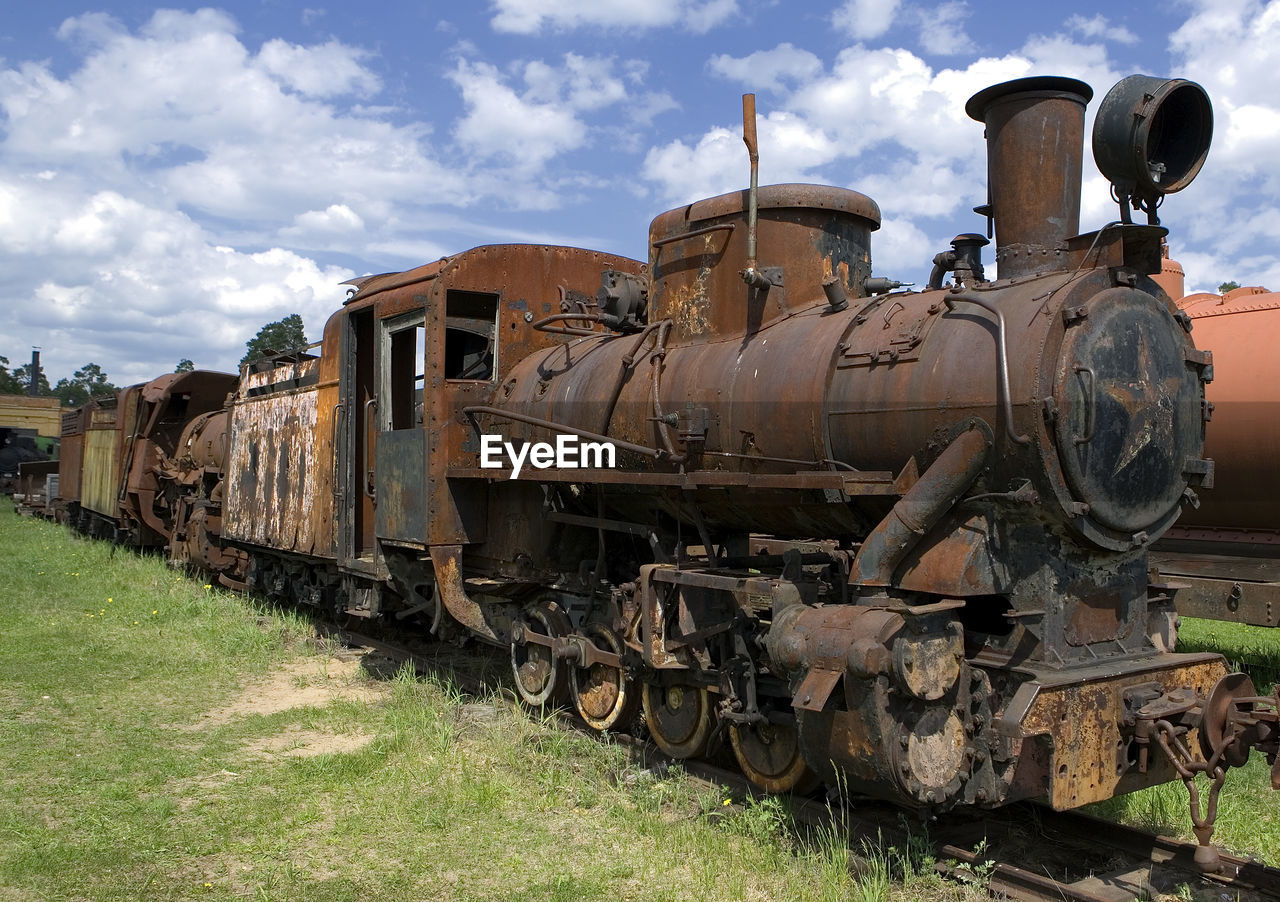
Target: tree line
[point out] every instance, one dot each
(90, 381)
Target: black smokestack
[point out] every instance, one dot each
(34, 388)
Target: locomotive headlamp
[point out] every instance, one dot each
(1150, 139)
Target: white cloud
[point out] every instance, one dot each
(684, 173)
(149, 196)
(1229, 48)
(335, 218)
(769, 69)
(865, 19)
(532, 16)
(501, 123)
(328, 70)
(333, 228)
(1240, 82)
(538, 110)
(1060, 55)
(647, 107)
(166, 190)
(942, 29)
(896, 249)
(583, 83)
(701, 18)
(1098, 26)
(135, 285)
(222, 130)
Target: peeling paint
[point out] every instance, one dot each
(279, 464)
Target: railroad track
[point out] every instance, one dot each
(1021, 852)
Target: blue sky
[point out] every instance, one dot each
(172, 178)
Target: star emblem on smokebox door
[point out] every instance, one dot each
(1149, 404)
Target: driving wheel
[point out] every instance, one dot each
(769, 755)
(604, 696)
(539, 674)
(679, 718)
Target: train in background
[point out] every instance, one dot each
(28, 434)
(117, 473)
(985, 465)
(1224, 554)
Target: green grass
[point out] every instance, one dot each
(1254, 649)
(160, 739)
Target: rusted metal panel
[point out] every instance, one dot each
(1083, 712)
(71, 455)
(1226, 550)
(806, 233)
(98, 487)
(531, 281)
(30, 495)
(280, 465)
(162, 407)
(1218, 589)
(402, 504)
(1035, 151)
(886, 381)
(447, 561)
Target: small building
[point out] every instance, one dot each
(44, 415)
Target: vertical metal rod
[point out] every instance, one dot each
(749, 138)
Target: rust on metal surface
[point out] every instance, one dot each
(805, 233)
(1092, 753)
(680, 718)
(1036, 207)
(1243, 438)
(279, 492)
(447, 560)
(71, 455)
(916, 512)
(1239, 588)
(164, 407)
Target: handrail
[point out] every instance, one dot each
(1002, 361)
(364, 475)
(560, 427)
(335, 483)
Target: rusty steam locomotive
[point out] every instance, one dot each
(894, 539)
